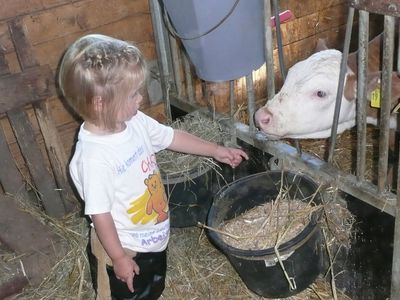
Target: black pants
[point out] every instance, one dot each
(150, 282)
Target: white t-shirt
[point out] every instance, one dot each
(118, 173)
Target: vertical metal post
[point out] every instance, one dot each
(176, 66)
(398, 48)
(387, 67)
(279, 38)
(232, 107)
(161, 42)
(269, 50)
(251, 102)
(188, 78)
(339, 95)
(362, 92)
(395, 283)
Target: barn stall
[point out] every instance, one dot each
(50, 260)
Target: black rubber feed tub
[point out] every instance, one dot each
(190, 196)
(259, 269)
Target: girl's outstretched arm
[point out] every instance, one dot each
(191, 144)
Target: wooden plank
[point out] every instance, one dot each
(128, 29)
(5, 40)
(56, 153)
(52, 140)
(17, 90)
(10, 178)
(12, 8)
(4, 69)
(41, 176)
(304, 8)
(313, 24)
(82, 16)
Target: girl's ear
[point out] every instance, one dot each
(98, 103)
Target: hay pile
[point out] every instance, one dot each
(263, 225)
(70, 278)
(175, 164)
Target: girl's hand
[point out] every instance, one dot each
(230, 156)
(125, 269)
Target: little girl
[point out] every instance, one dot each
(114, 167)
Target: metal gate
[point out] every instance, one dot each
(289, 157)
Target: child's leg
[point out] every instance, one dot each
(148, 285)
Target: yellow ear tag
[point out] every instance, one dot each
(376, 98)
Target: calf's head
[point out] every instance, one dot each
(304, 107)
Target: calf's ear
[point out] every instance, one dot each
(350, 87)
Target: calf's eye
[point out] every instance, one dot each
(321, 94)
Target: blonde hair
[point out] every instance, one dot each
(100, 66)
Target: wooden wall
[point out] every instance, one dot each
(52, 25)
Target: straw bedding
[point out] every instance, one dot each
(196, 269)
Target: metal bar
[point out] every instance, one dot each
(395, 285)
(381, 7)
(232, 108)
(251, 102)
(398, 49)
(176, 65)
(161, 42)
(387, 67)
(343, 70)
(188, 78)
(362, 93)
(279, 38)
(269, 50)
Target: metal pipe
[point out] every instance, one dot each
(280, 54)
(279, 39)
(161, 42)
(362, 92)
(395, 282)
(176, 66)
(251, 102)
(232, 108)
(398, 49)
(188, 78)
(387, 67)
(339, 95)
(269, 50)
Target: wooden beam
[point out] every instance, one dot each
(18, 90)
(55, 150)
